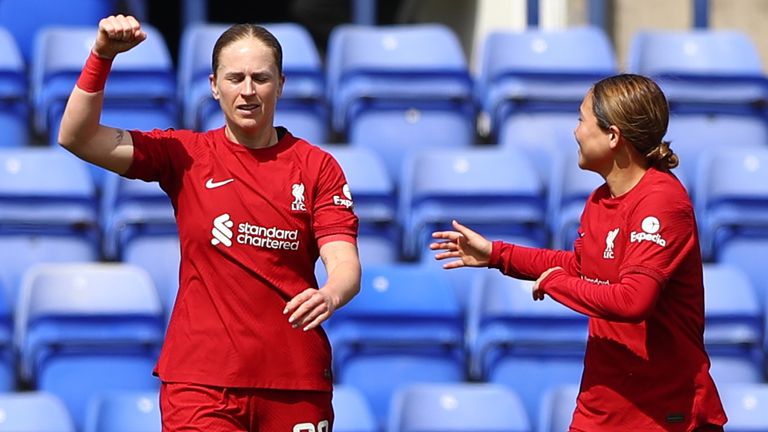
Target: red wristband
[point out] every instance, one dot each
(93, 78)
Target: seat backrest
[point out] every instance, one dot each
(44, 186)
(79, 301)
(124, 412)
(694, 52)
(732, 310)
(460, 407)
(498, 186)
(352, 413)
(13, 71)
(33, 412)
(25, 18)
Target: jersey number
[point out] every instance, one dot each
(309, 427)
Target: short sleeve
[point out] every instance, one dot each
(158, 155)
(662, 233)
(333, 205)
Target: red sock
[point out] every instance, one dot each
(93, 78)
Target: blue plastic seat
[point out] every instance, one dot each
(510, 337)
(745, 405)
(734, 370)
(557, 408)
(397, 88)
(45, 191)
(34, 412)
(14, 109)
(25, 18)
(351, 410)
(461, 407)
(734, 321)
(7, 351)
(731, 191)
(140, 92)
(406, 325)
(160, 256)
(748, 254)
(498, 192)
(301, 108)
(132, 209)
(702, 70)
(540, 70)
(124, 412)
(83, 329)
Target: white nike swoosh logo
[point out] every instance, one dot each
(210, 184)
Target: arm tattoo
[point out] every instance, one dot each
(119, 137)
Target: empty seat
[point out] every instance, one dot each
(131, 209)
(140, 92)
(397, 88)
(301, 108)
(540, 70)
(404, 326)
(495, 191)
(25, 18)
(34, 412)
(83, 329)
(160, 257)
(731, 191)
(124, 412)
(734, 321)
(461, 407)
(734, 370)
(14, 109)
(702, 70)
(748, 254)
(351, 411)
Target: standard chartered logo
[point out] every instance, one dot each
(221, 230)
(253, 235)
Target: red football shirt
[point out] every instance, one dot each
(249, 221)
(636, 271)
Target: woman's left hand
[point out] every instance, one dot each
(309, 308)
(538, 293)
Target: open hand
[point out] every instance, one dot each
(471, 249)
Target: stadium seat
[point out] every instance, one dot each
(124, 412)
(510, 337)
(301, 108)
(461, 407)
(140, 92)
(731, 191)
(748, 254)
(495, 191)
(375, 202)
(734, 321)
(7, 351)
(132, 209)
(160, 257)
(83, 329)
(733, 370)
(46, 192)
(557, 408)
(404, 326)
(14, 109)
(34, 412)
(715, 71)
(25, 18)
(745, 405)
(351, 411)
(540, 71)
(398, 88)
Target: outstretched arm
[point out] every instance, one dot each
(81, 131)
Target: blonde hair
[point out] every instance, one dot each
(638, 108)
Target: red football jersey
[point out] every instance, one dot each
(249, 221)
(643, 370)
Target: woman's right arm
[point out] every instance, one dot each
(81, 131)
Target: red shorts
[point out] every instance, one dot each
(193, 407)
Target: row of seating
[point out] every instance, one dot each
(414, 76)
(81, 329)
(458, 407)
